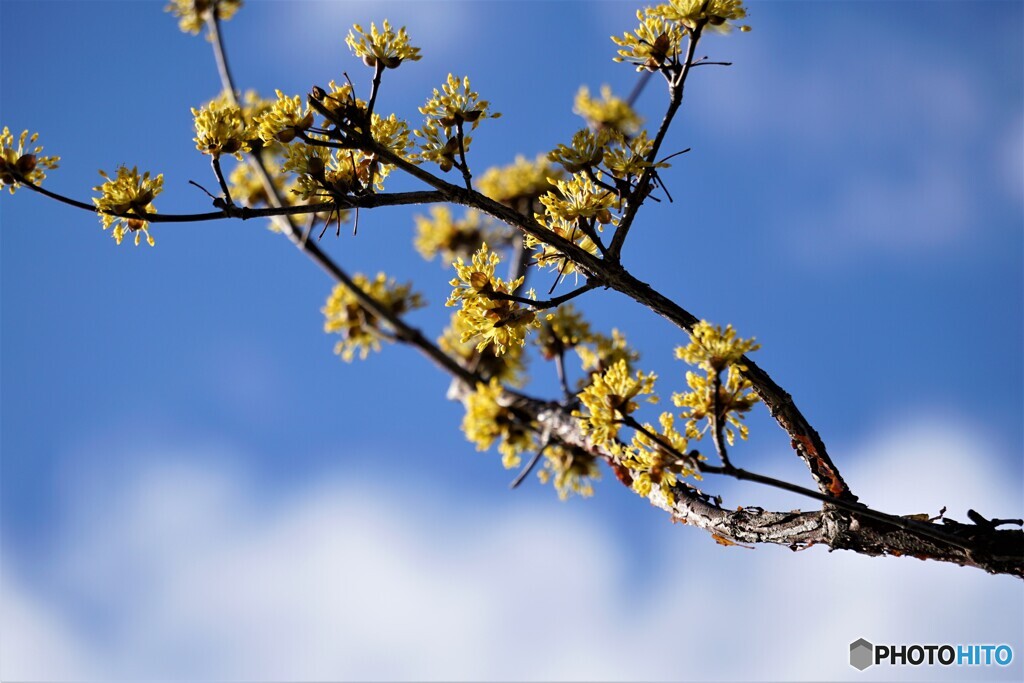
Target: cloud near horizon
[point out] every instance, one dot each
(189, 571)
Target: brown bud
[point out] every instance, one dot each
(480, 281)
(25, 164)
(613, 401)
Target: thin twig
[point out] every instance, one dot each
(545, 303)
(463, 166)
(215, 163)
(525, 472)
(717, 426)
(378, 71)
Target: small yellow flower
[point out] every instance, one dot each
(221, 129)
(393, 133)
(193, 13)
(493, 320)
(387, 46)
(608, 398)
(579, 197)
(361, 330)
(456, 104)
(285, 119)
(586, 151)
(627, 159)
(487, 421)
(655, 43)
(446, 111)
(713, 348)
(609, 112)
(19, 164)
(439, 146)
(127, 194)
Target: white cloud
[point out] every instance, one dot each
(189, 571)
(927, 209)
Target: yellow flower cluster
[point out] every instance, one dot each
(193, 13)
(284, 120)
(735, 398)
(608, 398)
(508, 368)
(653, 44)
(392, 133)
(716, 14)
(570, 470)
(446, 111)
(19, 164)
(487, 421)
(585, 152)
(360, 329)
(387, 46)
(221, 129)
(127, 194)
(493, 320)
(441, 234)
(713, 350)
(519, 182)
(627, 159)
(576, 211)
(659, 458)
(609, 112)
(579, 197)
(455, 103)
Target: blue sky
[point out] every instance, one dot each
(182, 454)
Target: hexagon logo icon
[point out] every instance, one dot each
(861, 654)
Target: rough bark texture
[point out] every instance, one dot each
(996, 551)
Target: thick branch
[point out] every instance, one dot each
(977, 545)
